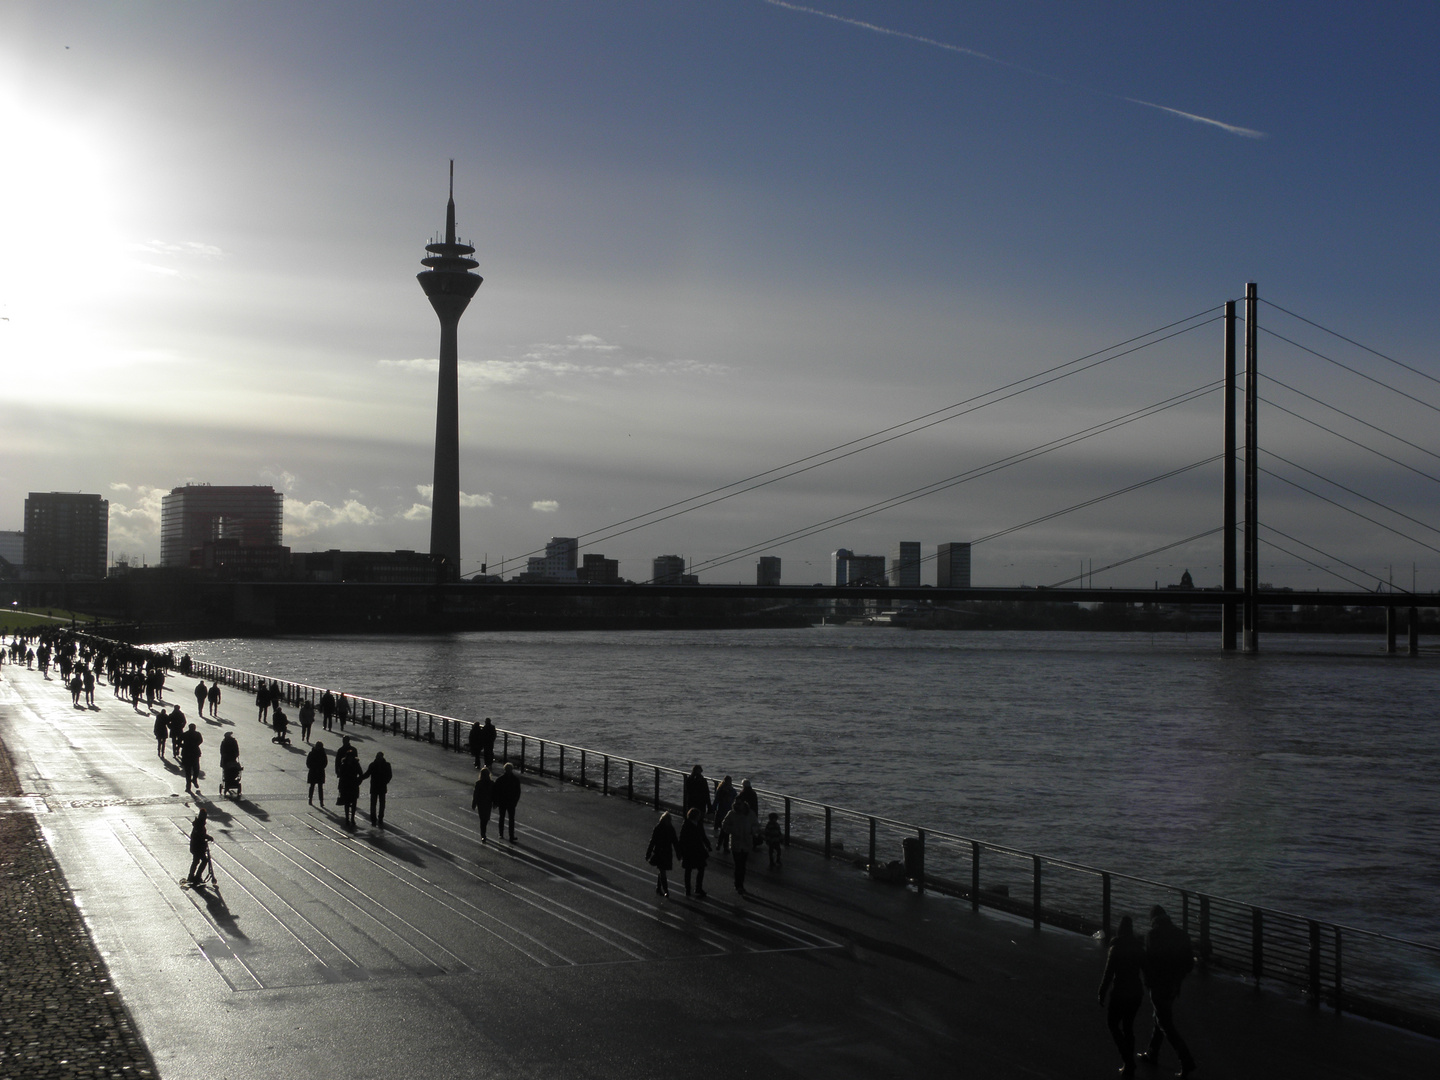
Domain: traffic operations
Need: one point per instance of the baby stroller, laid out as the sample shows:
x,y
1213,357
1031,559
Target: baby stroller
x,y
230,778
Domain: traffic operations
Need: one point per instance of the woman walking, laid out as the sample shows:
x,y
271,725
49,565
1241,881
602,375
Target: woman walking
x,y
347,784
316,761
694,850
482,800
739,829
724,801
661,852
1123,966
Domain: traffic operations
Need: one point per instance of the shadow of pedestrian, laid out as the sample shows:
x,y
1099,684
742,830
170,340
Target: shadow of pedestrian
x,y
252,809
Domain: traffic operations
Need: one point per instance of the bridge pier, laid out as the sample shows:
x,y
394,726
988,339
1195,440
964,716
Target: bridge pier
x,y
1414,628
1391,618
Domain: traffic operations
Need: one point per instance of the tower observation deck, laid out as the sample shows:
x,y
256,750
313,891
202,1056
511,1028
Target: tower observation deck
x,y
449,284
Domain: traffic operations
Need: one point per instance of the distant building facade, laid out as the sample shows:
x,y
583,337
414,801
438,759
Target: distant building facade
x,y
558,563
67,535
852,569
904,569
378,567
197,514
767,570
598,570
12,553
952,566
668,570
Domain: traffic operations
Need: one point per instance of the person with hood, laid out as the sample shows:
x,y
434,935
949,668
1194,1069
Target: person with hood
x,y
697,793
661,852
347,783
482,800
379,774
507,797
315,762
694,850
1124,964
739,829
1169,957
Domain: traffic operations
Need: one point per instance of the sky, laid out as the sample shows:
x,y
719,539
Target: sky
x,y
719,237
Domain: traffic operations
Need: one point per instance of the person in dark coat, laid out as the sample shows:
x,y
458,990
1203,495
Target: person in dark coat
x,y
661,852
724,802
177,730
199,847
487,743
379,774
747,795
1124,964
327,710
347,783
190,757
1169,957
697,793
162,732
347,751
474,742
262,701
694,850
315,762
342,710
482,800
201,692
507,797
214,698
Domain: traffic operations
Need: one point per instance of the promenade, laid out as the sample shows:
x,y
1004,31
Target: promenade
x,y
418,951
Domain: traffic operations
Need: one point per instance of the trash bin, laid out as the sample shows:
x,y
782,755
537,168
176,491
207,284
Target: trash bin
x,y
914,849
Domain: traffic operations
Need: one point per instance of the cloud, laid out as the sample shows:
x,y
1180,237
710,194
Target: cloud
x,y
119,487
476,500
1232,129
135,528
417,512
283,479
545,506
427,491
190,248
307,518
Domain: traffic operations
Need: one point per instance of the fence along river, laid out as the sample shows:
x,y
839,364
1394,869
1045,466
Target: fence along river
x,y
1335,965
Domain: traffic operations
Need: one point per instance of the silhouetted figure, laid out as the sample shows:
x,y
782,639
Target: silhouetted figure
x,y
262,702
346,751
380,774
177,729
347,783
162,732
774,838
199,847
315,762
230,766
694,849
482,800
342,710
507,797
747,795
487,743
201,693
1124,965
1169,957
307,719
739,829
281,723
190,756
327,710
661,852
214,698
697,793
724,802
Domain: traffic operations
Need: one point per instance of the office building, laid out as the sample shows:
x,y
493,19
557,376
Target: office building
x,y
767,570
598,570
904,569
197,514
668,570
12,553
852,569
952,566
66,536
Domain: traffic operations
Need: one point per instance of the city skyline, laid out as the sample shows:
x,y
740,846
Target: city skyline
x,y
716,239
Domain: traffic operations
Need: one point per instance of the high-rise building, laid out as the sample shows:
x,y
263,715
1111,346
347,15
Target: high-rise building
x,y
852,569
767,570
66,536
952,566
668,570
449,284
12,553
197,514
904,569
598,570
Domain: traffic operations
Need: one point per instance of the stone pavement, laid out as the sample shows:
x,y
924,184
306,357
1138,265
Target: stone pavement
x,y
60,1016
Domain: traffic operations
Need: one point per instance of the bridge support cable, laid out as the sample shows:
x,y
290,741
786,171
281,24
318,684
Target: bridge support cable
x,y
1137,558
970,474
1251,616
1357,442
1352,341
1351,566
1352,510
1355,371
1350,491
839,452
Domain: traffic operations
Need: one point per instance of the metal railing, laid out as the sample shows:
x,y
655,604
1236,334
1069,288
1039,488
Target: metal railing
x,y
1348,969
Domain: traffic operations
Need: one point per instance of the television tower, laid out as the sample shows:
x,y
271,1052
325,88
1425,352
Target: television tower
x,y
449,284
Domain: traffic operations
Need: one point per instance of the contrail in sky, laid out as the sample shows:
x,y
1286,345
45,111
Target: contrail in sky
x,y
1233,129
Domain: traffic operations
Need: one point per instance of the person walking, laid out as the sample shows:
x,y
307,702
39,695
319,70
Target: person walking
x,y
190,757
739,829
379,774
307,719
327,710
315,762
661,852
347,783
507,798
262,701
347,751
694,850
342,710
724,802
474,743
214,698
1124,964
747,795
483,799
162,732
487,743
696,793
1169,957
177,730
201,693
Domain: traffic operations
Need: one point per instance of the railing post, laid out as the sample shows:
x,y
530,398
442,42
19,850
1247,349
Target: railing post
x,y
1204,929
582,768
445,733
919,876
787,820
1339,986
630,784
1257,943
560,775
541,769
1105,904
505,749
1314,989
605,777
827,832
523,741
1035,861
974,875
872,848
657,787
1185,911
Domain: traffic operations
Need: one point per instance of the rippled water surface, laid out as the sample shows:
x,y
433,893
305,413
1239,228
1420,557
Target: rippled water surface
x,y
1306,778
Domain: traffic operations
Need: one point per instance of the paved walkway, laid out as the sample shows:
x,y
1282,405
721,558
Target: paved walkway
x,y
418,950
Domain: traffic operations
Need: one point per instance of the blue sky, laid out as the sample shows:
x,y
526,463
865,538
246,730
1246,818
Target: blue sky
x,y
717,237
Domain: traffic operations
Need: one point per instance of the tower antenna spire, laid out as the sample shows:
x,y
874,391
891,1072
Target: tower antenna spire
x,y
450,208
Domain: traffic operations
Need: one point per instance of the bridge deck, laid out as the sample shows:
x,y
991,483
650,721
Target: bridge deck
x,y
331,953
